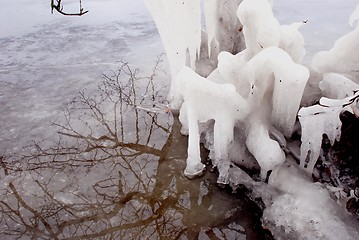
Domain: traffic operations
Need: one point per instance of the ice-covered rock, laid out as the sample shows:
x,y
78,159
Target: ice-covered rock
x,y
304,210
324,118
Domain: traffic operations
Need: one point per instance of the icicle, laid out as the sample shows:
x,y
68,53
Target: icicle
x,y
223,26
266,151
211,16
205,100
288,85
316,121
179,25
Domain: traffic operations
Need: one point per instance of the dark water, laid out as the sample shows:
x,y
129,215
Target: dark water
x,y
115,171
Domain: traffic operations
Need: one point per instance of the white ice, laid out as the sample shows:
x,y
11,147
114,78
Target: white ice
x,y
305,210
315,121
340,58
288,83
205,100
260,27
179,25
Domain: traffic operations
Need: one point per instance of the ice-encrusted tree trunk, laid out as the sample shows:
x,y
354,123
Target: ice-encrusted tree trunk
x,y
186,44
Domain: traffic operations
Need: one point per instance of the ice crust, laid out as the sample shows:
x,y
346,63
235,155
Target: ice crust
x,y
316,121
305,210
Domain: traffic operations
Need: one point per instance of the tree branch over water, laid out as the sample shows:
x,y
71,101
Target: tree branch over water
x,y
56,4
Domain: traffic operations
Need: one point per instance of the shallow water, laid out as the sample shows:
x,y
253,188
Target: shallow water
x,y
115,172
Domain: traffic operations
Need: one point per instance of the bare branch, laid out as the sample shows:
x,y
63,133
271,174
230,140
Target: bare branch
x,y
60,9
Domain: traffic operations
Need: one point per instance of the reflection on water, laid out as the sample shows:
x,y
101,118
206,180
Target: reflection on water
x,y
115,172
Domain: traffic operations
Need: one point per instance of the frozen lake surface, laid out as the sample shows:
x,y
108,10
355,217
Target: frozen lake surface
x,y
85,185
45,59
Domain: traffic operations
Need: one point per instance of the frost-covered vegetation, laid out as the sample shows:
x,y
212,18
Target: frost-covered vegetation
x,y
241,86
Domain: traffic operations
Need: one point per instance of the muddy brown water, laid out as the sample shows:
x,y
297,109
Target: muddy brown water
x,y
115,171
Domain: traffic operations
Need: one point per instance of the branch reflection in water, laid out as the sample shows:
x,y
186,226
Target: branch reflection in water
x,y
115,172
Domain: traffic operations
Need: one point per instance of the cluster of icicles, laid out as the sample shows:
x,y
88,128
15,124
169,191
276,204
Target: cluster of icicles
x,y
241,73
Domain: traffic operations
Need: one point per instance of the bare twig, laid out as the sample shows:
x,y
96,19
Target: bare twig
x,y
60,9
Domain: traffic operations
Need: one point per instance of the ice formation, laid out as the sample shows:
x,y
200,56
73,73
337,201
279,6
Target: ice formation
x,y
205,100
288,83
179,25
340,90
265,150
262,76
223,26
323,118
260,27
337,86
340,59
304,210
257,91
292,41
316,121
